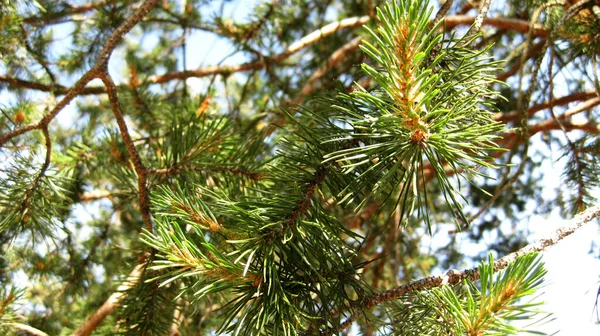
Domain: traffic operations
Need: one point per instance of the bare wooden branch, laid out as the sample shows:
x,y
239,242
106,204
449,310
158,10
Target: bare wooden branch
x,y
589,96
94,195
444,8
138,165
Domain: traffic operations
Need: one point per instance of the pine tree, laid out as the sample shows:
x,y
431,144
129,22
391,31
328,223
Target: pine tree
x,y
295,192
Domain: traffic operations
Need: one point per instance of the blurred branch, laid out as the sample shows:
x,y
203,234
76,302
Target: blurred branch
x,y
521,26
94,320
94,195
516,67
72,10
55,89
335,58
444,8
454,277
28,329
506,117
304,42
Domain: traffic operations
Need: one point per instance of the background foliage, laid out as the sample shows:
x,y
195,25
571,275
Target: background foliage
x,y
291,180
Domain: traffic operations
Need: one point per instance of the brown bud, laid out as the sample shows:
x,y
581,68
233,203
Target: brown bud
x,y
20,116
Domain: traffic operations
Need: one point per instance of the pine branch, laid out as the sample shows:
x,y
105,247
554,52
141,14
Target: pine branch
x,y
36,181
454,277
335,58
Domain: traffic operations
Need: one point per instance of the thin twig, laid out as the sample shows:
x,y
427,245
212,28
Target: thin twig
x,y
478,22
441,13
335,58
589,97
55,89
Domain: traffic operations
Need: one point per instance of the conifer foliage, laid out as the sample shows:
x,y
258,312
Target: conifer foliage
x,y
292,193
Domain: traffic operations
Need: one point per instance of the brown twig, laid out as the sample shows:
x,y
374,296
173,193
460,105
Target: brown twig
x,y
454,277
138,165
309,193
441,13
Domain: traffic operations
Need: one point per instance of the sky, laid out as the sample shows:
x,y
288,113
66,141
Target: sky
x,y
573,275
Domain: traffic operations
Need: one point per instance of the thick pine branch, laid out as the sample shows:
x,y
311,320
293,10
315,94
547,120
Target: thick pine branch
x,y
454,277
